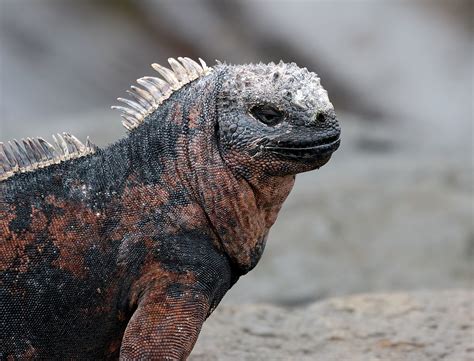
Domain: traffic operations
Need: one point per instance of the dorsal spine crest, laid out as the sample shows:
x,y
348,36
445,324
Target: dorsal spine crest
x,y
156,90
29,154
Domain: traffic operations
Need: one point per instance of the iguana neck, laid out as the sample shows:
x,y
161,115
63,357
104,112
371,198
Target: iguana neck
x,y
242,212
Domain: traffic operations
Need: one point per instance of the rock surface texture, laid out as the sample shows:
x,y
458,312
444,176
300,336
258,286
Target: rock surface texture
x,y
418,326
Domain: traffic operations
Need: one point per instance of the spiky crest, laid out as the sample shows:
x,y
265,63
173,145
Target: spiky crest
x,y
157,90
29,154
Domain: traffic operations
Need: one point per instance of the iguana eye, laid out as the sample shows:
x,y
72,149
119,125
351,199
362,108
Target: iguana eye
x,y
267,114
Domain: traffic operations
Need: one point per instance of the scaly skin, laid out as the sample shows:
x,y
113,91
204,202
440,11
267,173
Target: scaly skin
x,y
124,253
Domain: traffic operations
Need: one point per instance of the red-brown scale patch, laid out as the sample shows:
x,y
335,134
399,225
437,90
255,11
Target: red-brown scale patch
x,y
186,217
74,231
242,209
153,279
12,247
177,114
138,202
194,115
29,354
164,325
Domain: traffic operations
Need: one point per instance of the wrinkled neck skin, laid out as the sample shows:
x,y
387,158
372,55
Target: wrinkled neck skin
x,y
243,220
175,158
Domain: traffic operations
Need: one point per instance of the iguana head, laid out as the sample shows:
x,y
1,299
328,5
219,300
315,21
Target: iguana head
x,y
232,137
275,118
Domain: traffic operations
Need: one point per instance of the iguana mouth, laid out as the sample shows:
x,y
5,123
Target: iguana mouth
x,y
306,149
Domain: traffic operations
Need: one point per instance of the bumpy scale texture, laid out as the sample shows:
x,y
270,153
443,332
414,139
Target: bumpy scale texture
x,y
125,251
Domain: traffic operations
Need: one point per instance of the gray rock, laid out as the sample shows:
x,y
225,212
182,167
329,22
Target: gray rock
x,y
418,326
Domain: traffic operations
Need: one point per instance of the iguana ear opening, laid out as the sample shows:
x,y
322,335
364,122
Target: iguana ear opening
x,y
156,90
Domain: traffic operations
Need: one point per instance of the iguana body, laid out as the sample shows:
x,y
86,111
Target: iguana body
x,y
124,252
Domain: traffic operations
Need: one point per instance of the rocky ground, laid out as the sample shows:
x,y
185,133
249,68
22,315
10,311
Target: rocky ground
x,y
418,326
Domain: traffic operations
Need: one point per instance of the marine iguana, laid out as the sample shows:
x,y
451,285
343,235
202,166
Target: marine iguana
x,y
123,252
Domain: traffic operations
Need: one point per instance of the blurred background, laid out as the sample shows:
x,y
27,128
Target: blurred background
x,y
393,210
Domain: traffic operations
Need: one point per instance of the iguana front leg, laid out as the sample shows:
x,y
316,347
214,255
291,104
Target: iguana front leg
x,y
165,325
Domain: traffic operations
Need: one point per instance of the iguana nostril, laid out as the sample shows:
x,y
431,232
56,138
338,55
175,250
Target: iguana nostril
x,y
321,118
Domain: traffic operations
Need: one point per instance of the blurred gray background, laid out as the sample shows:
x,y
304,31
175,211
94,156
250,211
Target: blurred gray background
x,y
393,210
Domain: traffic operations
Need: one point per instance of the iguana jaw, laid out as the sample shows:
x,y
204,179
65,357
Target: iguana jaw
x,y
321,148
318,151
